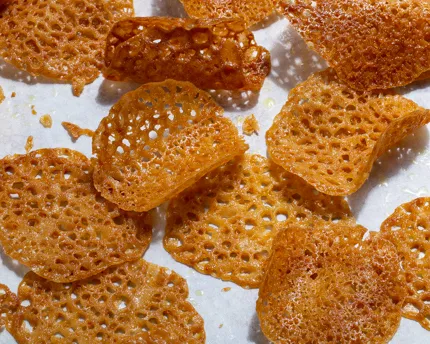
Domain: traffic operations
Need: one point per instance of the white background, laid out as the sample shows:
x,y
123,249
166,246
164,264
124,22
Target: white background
x,y
399,176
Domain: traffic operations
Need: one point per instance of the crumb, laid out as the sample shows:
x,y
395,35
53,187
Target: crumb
x,y
226,289
46,121
2,97
221,325
13,95
29,144
75,131
250,126
33,110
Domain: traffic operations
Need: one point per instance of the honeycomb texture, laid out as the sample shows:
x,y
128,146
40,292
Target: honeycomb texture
x,y
330,135
324,285
372,44
250,11
225,223
157,141
137,302
8,304
409,229
62,39
54,221
212,54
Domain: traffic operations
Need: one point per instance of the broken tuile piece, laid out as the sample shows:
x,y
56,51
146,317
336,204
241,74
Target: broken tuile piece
x,y
29,144
46,121
2,97
212,54
250,125
225,223
75,131
372,44
61,40
408,228
54,221
157,141
8,305
136,302
325,285
330,135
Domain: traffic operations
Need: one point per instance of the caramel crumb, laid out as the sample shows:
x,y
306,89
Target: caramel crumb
x,y
250,125
33,110
226,289
13,95
221,325
29,144
46,121
75,131
2,97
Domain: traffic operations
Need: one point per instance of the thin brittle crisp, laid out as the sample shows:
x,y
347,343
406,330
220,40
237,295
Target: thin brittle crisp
x,y
326,285
62,39
224,224
54,221
157,141
137,302
8,305
212,54
330,135
250,11
409,229
372,44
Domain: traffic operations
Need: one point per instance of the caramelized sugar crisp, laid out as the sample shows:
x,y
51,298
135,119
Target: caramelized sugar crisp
x,y
159,140
54,221
330,135
250,11
212,54
62,39
76,131
408,228
225,223
8,304
324,285
250,125
137,302
372,44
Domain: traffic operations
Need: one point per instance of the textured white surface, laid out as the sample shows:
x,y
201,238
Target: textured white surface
x,y
399,176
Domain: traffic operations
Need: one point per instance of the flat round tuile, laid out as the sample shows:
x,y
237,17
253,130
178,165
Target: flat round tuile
x,y
408,228
224,225
157,141
136,302
8,305
372,44
330,135
54,221
325,285
62,39
250,11
211,54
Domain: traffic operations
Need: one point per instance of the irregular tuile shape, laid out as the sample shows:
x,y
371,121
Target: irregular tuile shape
x,y
212,54
408,228
136,302
326,285
224,225
157,141
372,44
62,39
54,221
330,135
8,305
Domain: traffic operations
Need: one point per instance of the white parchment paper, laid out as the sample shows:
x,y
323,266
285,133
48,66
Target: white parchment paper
x,y
399,176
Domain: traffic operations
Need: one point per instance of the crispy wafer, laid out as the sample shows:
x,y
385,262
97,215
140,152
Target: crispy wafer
x,y
225,223
324,285
137,302
330,135
409,229
54,221
8,304
372,44
212,54
157,141
62,39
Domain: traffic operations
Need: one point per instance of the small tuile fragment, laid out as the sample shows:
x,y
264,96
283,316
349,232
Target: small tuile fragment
x,y
75,131
29,144
62,39
372,44
46,121
250,11
8,305
54,221
13,95
33,110
325,285
225,223
212,54
175,135
136,302
330,135
2,97
220,325
226,289
408,228
250,125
